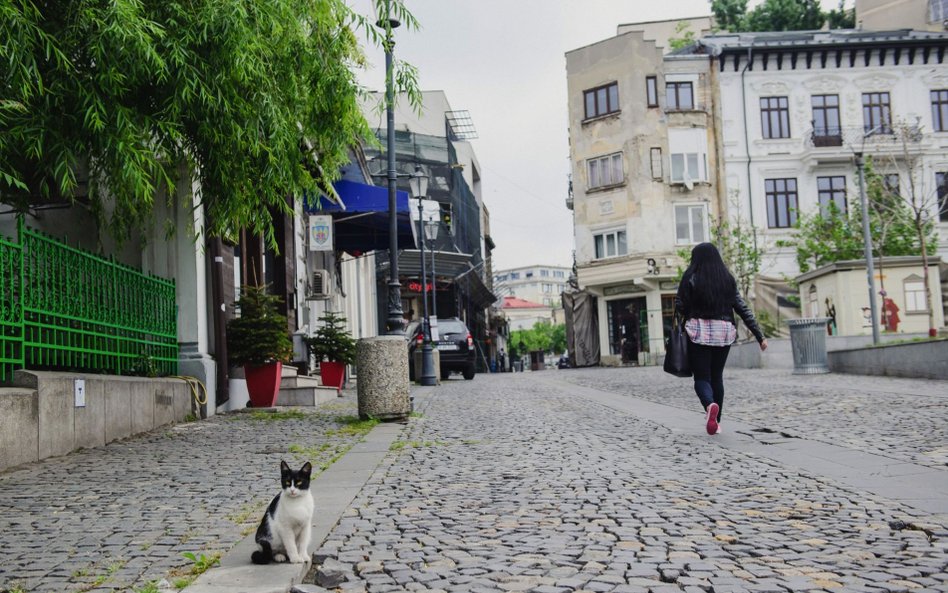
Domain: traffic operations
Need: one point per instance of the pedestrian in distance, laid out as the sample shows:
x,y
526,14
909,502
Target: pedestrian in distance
x,y
707,299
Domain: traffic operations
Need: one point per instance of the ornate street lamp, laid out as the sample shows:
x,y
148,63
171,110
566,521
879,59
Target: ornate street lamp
x,y
396,321
431,234
419,189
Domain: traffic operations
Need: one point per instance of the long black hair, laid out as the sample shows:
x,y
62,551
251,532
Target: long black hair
x,y
714,285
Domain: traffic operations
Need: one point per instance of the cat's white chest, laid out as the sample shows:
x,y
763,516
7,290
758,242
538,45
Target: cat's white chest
x,y
296,510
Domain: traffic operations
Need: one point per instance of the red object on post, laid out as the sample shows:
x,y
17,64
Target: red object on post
x,y
263,383
332,373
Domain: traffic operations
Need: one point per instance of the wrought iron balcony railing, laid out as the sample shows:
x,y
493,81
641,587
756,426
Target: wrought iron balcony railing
x,y
856,137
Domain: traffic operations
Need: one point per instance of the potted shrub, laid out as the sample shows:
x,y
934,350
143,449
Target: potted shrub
x,y
333,347
259,340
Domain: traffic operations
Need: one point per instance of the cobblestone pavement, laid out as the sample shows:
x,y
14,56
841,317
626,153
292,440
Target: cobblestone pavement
x,y
116,517
511,484
899,418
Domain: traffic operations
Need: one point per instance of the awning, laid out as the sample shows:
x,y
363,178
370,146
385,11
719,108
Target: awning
x,y
361,222
447,263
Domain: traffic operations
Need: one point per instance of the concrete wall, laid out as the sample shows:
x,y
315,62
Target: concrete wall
x,y
39,418
918,360
779,355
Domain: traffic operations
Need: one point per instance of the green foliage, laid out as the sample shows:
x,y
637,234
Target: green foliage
x,y
735,241
542,336
767,323
332,341
144,366
779,15
260,335
838,236
684,36
255,99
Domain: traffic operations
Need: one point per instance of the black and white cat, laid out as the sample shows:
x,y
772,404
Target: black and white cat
x,y
285,530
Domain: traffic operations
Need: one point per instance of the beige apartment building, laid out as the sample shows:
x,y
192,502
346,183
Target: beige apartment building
x,y
644,167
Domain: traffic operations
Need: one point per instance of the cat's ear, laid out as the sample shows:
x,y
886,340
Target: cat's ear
x,y
307,468
284,468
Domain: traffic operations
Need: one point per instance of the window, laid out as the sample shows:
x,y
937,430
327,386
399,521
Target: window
x,y
656,155
775,117
651,91
941,184
610,244
559,274
781,197
876,113
691,224
602,100
548,301
528,275
914,287
515,275
832,190
891,184
688,158
605,171
544,273
826,128
940,111
678,96
547,288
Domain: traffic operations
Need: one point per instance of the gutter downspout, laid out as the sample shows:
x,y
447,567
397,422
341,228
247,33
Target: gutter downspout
x,y
750,192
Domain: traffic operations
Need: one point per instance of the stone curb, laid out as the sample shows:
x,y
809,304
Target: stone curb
x,y
333,491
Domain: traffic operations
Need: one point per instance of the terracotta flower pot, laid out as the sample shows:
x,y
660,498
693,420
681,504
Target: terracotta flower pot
x,y
332,373
263,383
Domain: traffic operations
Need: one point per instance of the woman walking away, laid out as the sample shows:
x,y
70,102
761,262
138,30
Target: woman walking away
x,y
707,298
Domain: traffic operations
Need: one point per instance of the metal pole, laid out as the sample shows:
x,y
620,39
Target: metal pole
x,y
867,245
434,284
427,355
396,322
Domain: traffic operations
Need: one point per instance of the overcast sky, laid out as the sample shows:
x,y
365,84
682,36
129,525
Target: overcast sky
x,y
503,60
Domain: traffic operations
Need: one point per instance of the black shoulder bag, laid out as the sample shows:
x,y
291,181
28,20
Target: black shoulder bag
x,y
676,350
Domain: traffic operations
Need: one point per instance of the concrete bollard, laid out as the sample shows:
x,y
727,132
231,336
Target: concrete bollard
x,y
383,389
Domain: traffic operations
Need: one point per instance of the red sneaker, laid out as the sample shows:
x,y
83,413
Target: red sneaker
x,y
711,422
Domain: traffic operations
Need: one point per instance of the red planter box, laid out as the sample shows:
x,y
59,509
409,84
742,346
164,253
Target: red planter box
x,y
263,383
333,373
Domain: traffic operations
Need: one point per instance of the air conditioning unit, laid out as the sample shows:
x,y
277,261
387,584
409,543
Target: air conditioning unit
x,y
319,287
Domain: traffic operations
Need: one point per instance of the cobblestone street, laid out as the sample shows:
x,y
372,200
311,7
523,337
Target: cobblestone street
x,y
513,483
111,518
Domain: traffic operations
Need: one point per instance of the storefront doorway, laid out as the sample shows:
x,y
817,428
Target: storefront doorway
x,y
628,328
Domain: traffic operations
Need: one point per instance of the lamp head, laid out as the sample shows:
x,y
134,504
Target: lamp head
x,y
418,183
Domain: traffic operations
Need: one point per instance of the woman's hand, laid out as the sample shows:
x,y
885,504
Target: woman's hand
x,y
763,345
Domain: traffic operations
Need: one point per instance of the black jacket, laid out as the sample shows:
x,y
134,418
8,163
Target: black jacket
x,y
684,302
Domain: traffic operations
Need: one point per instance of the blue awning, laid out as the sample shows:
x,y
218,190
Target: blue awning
x,y
361,222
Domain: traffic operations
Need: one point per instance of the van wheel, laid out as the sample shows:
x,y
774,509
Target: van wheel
x,y
469,372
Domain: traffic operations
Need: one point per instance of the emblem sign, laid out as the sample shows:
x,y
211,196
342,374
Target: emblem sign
x,y
320,233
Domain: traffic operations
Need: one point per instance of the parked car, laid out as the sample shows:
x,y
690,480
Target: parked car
x,y
455,347
563,362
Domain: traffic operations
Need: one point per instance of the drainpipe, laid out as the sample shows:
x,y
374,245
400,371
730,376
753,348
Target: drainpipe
x,y
219,320
750,192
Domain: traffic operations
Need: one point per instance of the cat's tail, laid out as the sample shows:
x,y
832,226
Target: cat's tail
x,y
263,556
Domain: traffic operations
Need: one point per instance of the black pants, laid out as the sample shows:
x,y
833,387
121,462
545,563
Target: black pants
x,y
707,365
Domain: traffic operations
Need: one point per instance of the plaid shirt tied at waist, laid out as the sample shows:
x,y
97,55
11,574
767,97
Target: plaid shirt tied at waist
x,y
711,332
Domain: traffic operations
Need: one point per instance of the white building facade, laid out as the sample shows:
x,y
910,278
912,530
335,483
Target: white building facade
x,y
539,284
797,107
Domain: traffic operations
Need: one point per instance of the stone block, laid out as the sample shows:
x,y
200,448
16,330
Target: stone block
x,y
90,420
19,418
142,395
118,411
182,399
57,432
383,387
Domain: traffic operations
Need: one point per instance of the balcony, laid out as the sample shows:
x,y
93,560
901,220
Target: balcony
x,y
823,145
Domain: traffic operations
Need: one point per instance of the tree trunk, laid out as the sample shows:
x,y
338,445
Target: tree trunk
x,y
928,291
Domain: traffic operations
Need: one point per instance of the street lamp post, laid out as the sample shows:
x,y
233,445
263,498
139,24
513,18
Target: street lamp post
x,y
396,322
431,234
867,246
419,187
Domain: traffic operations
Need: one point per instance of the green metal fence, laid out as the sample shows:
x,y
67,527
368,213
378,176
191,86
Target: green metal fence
x,y
68,309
